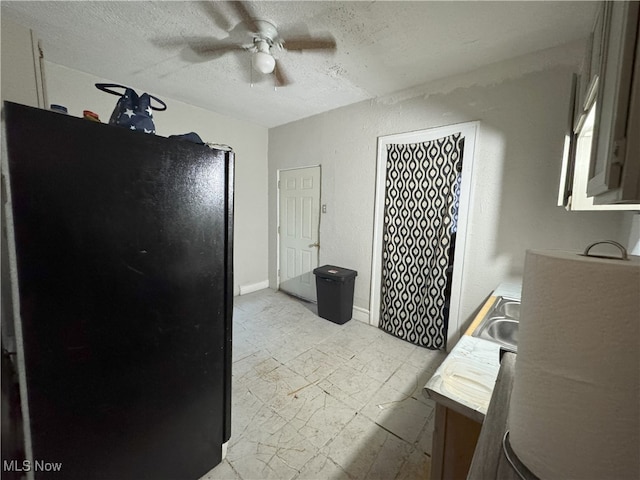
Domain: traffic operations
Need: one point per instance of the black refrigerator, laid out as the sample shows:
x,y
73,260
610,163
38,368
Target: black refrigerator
x,y
123,293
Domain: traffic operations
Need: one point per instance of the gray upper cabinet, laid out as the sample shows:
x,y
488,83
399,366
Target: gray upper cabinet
x,y
601,168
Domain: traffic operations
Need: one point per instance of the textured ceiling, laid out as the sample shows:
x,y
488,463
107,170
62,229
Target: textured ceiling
x,y
382,47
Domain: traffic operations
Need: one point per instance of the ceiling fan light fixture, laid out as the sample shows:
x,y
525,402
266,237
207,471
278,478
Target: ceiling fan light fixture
x,y
263,62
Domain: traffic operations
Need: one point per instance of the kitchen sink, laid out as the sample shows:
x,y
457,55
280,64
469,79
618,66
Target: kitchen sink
x,y
500,324
503,330
510,309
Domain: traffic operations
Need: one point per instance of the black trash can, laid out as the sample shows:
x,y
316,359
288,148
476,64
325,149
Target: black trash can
x,y
334,286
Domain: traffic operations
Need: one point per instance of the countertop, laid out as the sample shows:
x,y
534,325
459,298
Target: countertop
x,y
465,380
511,289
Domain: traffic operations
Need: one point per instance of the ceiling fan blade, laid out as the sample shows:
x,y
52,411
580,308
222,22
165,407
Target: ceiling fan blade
x,y
215,49
198,49
309,43
219,20
243,12
281,78
179,41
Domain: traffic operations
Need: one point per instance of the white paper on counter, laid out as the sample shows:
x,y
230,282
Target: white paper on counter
x,y
468,374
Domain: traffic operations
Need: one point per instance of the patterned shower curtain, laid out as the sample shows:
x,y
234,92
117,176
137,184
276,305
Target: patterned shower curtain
x,y
420,215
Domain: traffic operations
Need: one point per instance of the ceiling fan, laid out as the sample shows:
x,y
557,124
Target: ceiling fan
x,y
262,40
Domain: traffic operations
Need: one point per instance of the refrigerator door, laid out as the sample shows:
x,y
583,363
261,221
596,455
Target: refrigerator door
x,y
124,264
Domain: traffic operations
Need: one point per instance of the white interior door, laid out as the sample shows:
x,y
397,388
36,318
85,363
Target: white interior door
x,y
298,227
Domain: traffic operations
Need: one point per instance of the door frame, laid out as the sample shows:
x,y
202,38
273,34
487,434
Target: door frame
x,y
469,130
278,216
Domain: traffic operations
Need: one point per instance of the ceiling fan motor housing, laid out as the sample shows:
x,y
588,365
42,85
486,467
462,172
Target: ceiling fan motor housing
x,y
266,31
263,40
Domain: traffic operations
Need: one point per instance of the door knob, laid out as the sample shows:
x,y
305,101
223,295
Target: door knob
x,y
314,245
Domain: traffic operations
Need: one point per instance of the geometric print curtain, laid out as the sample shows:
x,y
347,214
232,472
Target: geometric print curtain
x,y
420,216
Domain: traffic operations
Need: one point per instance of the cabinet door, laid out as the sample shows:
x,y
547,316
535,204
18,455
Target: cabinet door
x,y
592,63
613,93
601,164
568,156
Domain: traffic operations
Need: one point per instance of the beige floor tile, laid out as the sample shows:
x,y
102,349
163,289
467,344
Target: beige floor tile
x,y
323,418
224,471
425,442
410,381
390,459
350,386
356,447
394,347
314,364
416,467
286,348
364,450
245,408
375,363
252,365
398,413
321,467
426,359
278,388
291,447
257,453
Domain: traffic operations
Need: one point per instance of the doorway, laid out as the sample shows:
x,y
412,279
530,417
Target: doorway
x,y
422,202
298,230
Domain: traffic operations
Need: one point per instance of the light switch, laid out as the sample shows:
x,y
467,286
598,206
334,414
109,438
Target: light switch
x,y
324,208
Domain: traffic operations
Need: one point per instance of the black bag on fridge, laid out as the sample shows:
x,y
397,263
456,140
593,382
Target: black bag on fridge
x,y
132,111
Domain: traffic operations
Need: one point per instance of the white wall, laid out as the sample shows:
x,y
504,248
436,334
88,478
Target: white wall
x,y
522,107
19,81
77,92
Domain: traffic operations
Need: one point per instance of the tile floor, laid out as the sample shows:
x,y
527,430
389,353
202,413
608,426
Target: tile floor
x,y
317,400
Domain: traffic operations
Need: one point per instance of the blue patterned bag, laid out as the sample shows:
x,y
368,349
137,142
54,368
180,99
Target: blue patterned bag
x,y
132,111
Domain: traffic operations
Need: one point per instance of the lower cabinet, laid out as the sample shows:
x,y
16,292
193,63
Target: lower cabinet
x,y
454,440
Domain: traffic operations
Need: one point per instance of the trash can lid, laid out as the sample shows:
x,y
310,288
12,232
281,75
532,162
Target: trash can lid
x,y
338,273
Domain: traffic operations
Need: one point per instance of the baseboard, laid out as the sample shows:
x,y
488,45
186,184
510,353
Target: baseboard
x,y
225,447
361,314
254,287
